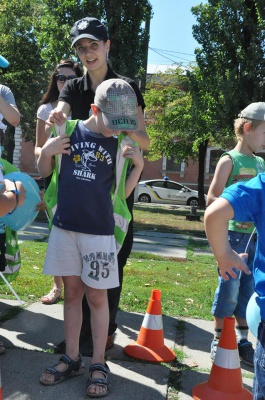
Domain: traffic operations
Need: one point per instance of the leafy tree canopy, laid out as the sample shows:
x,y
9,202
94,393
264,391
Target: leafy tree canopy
x,y
35,35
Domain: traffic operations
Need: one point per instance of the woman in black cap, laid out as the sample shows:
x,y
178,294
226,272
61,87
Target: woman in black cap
x,y
90,39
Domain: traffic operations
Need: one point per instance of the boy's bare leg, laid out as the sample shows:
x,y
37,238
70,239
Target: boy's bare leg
x,y
98,303
73,295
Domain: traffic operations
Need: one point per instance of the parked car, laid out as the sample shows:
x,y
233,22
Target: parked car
x,y
166,191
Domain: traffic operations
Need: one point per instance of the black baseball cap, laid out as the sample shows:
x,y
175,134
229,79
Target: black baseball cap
x,y
90,28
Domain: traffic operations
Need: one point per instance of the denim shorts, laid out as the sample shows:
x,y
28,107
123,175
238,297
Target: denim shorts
x,y
259,365
231,297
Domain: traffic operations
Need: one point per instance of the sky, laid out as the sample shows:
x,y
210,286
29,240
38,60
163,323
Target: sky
x,y
171,37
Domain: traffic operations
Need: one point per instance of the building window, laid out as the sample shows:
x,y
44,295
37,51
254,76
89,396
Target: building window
x,y
173,166
214,158
170,165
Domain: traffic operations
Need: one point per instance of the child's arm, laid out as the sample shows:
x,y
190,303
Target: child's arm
x,y
8,199
140,136
133,152
216,219
53,146
221,175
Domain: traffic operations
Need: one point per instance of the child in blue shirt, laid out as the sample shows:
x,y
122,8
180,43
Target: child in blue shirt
x,y
245,202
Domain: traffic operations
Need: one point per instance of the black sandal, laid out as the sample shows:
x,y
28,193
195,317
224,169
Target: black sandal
x,y
105,382
73,368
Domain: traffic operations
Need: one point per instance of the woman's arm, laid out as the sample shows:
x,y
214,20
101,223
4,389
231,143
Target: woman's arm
x,y
57,116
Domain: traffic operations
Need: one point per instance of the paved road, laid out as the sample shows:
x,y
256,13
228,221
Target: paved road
x,y
31,334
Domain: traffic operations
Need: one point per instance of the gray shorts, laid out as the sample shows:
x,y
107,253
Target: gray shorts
x,y
92,257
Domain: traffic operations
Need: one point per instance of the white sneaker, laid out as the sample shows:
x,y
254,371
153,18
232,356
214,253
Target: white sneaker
x,y
214,346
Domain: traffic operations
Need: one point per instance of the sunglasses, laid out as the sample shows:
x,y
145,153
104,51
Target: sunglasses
x,y
63,78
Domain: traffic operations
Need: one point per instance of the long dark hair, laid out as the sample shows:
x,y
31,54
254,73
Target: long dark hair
x,y
52,92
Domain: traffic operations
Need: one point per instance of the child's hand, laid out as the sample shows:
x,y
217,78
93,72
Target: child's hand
x,y
231,260
41,206
133,152
57,145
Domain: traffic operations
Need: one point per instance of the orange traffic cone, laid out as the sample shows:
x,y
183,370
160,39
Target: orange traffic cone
x,y
150,343
225,382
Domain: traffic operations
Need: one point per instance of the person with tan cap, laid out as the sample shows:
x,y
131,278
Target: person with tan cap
x,y
82,247
240,164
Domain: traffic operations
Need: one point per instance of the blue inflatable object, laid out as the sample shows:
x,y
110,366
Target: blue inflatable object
x,y
25,214
3,62
253,315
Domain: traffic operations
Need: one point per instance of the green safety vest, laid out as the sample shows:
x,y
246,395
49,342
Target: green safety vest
x,y
122,215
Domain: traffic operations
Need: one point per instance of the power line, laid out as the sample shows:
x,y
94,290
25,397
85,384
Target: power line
x,y
160,53
171,51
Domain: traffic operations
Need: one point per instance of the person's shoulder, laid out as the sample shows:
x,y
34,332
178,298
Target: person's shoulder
x,y
46,107
4,89
113,74
44,111
76,83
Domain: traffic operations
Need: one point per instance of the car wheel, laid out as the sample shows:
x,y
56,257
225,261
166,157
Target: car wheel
x,y
144,198
193,202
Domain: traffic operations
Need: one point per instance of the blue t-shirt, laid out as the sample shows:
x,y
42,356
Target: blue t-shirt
x,y
84,184
248,202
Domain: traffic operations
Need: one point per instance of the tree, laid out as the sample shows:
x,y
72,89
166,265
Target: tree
x,y
229,76
124,19
38,35
178,124
231,57
24,76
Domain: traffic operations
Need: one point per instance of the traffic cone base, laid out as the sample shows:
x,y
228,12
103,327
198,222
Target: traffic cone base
x,y
204,392
164,354
150,343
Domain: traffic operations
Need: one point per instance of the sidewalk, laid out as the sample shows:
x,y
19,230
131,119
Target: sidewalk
x,y
29,336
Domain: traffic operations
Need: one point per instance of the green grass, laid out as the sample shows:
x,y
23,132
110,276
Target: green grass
x,y
149,217
187,286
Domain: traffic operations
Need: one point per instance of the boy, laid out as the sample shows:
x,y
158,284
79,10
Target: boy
x,y
82,246
240,164
242,201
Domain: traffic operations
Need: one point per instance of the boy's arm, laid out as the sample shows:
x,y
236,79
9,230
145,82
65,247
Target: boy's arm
x,y
216,219
133,152
140,136
53,146
221,175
